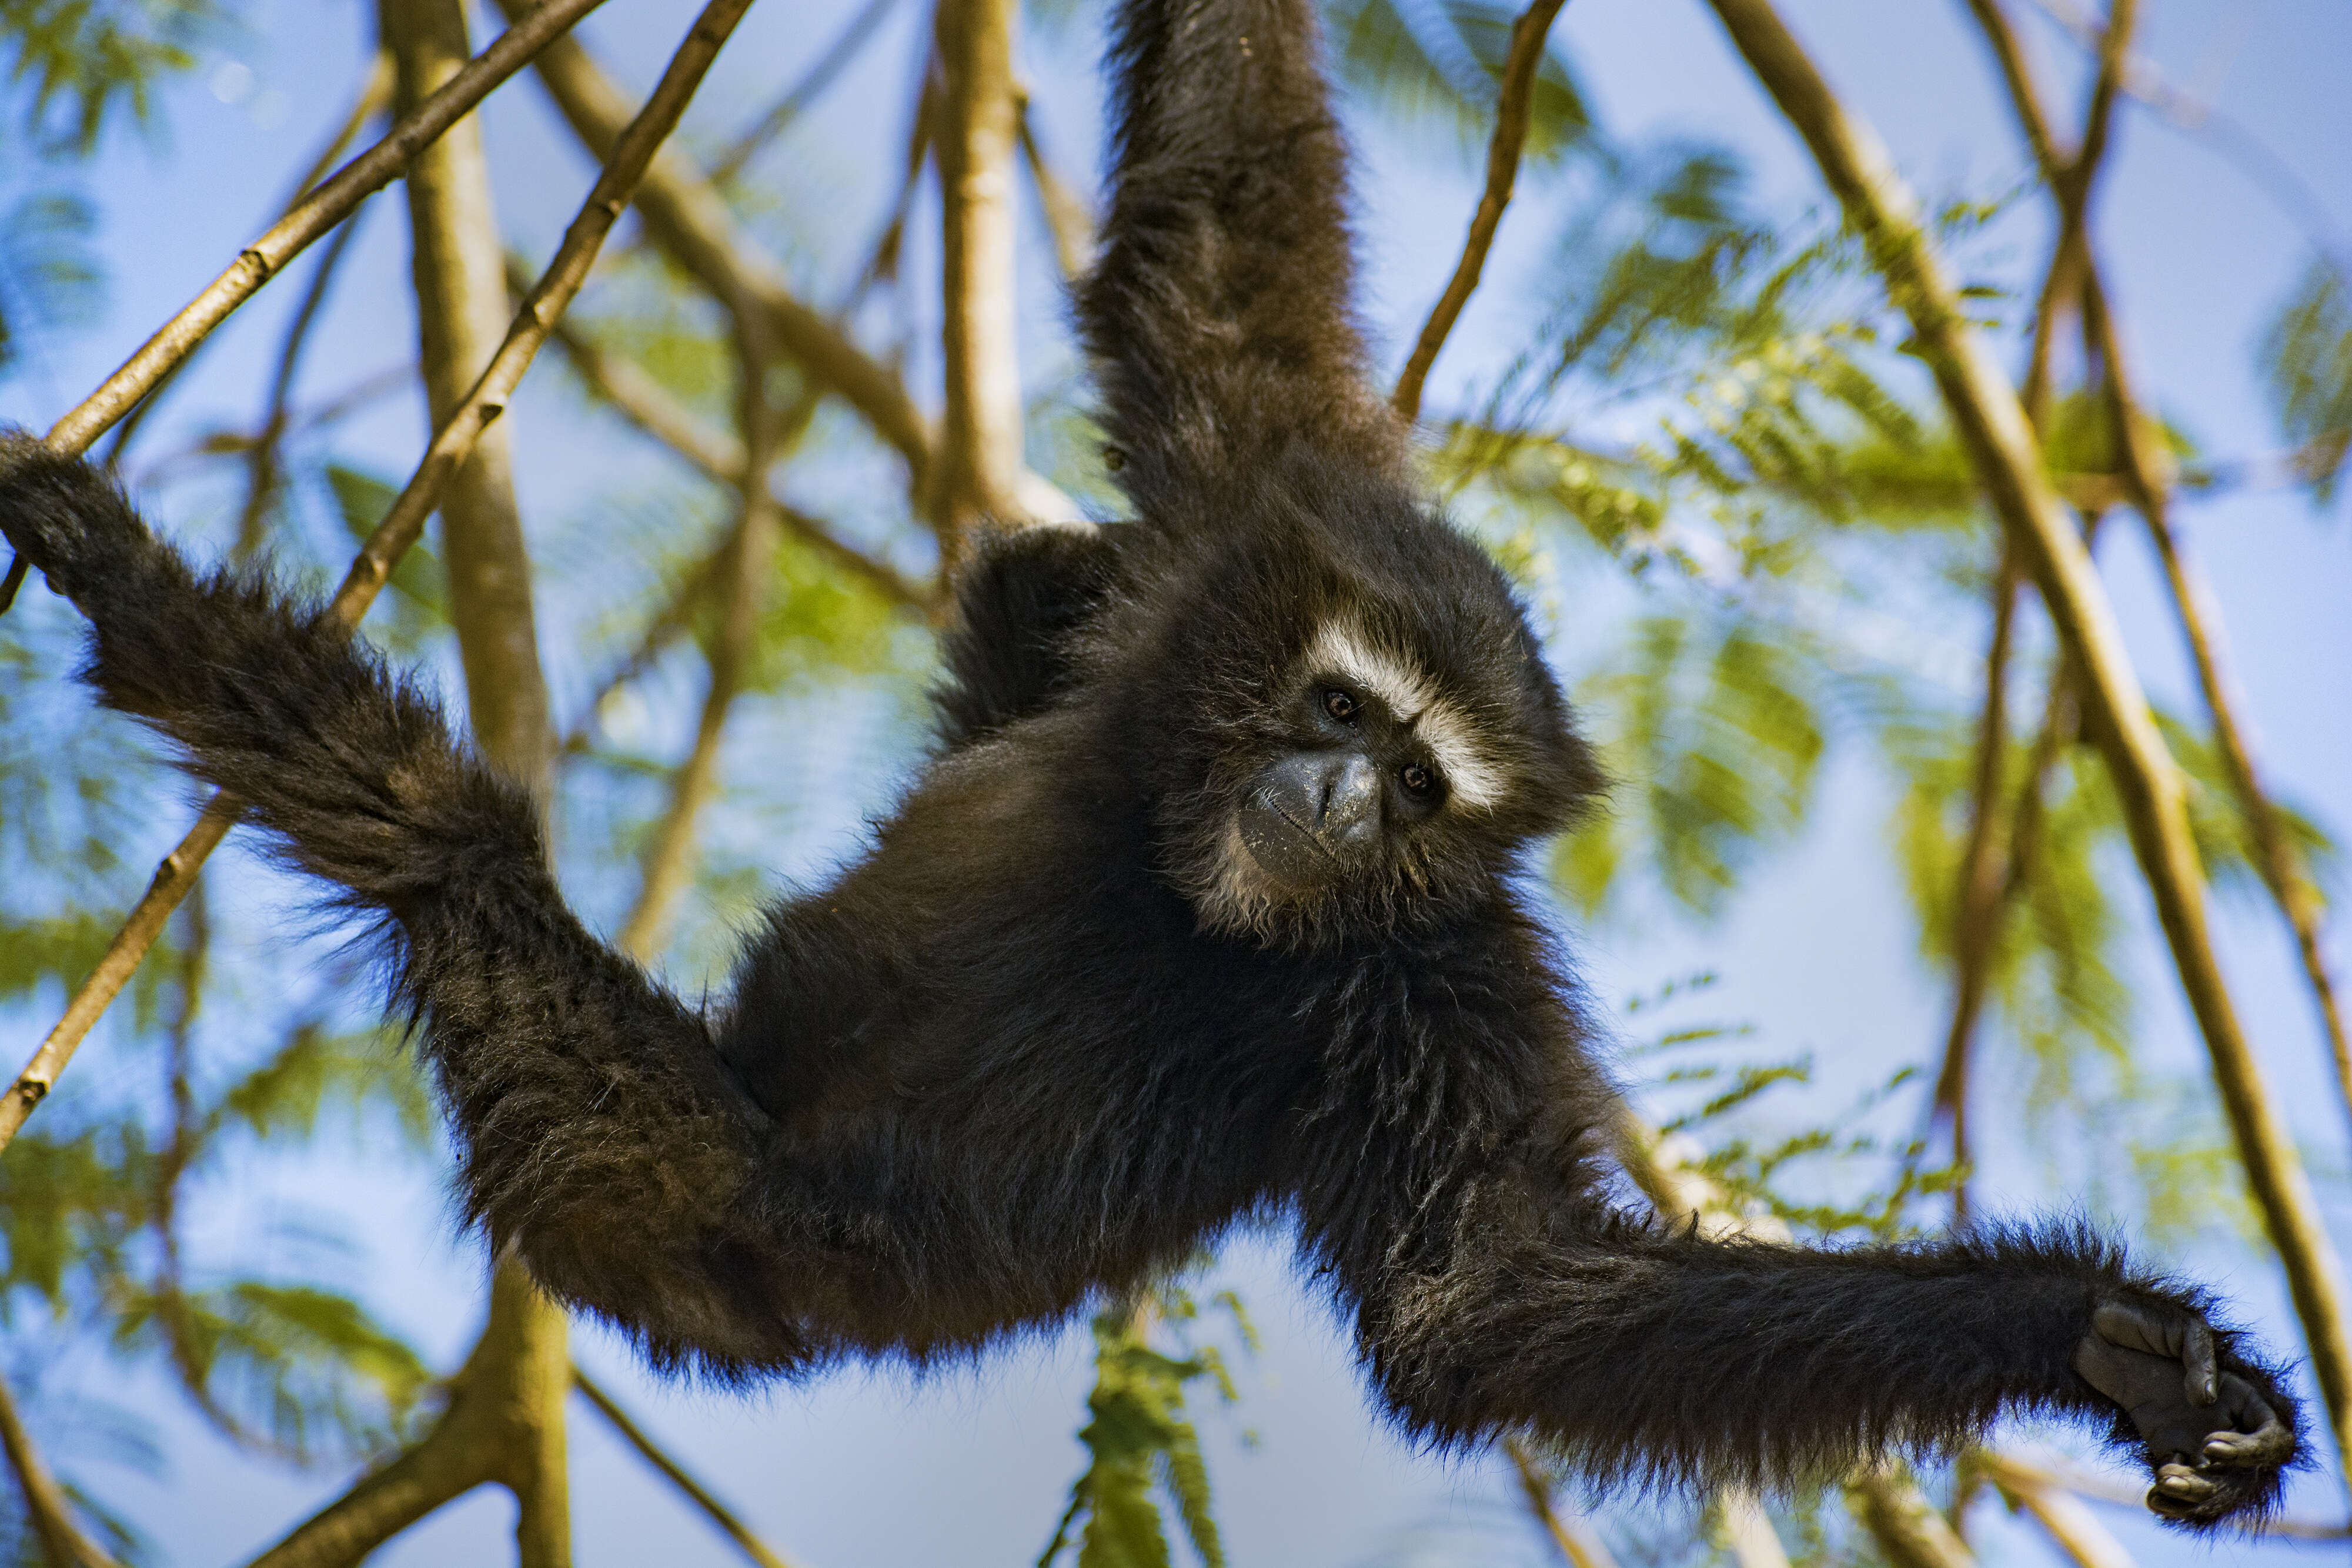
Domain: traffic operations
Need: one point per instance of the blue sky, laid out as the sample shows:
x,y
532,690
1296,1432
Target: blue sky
x,y
871,1468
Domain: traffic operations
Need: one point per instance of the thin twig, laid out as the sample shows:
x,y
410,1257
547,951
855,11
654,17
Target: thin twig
x,y
750,564
1985,410
373,567
316,214
689,222
2276,857
46,1508
1578,1545
648,404
1982,866
2117,1492
802,93
374,94
263,470
757,1550
1511,111
1071,224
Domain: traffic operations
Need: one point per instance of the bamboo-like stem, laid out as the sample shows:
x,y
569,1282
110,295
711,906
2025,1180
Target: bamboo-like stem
x,y
687,221
2078,1534
1579,1546
748,569
373,567
523,1365
679,1476
1510,136
1985,410
976,150
2148,473
46,1509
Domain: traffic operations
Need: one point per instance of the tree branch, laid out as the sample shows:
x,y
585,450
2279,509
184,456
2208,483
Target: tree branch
x,y
2147,477
46,1509
648,404
1527,35
1985,410
1983,872
725,1517
1909,1530
459,277
2078,1534
1579,1546
374,95
504,1423
802,93
978,140
373,567
689,222
750,566
1067,215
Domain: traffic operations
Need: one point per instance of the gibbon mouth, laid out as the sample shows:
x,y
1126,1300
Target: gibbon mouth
x,y
1311,816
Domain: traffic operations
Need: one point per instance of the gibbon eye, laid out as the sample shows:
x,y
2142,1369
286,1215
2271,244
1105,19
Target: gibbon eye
x,y
1340,705
1416,778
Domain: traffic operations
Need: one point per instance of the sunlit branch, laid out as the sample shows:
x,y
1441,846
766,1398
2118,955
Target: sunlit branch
x,y
1511,111
976,150
1984,409
1909,1530
2148,481
2277,858
373,567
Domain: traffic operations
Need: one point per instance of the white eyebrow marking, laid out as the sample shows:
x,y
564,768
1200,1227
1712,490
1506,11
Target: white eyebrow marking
x,y
1341,648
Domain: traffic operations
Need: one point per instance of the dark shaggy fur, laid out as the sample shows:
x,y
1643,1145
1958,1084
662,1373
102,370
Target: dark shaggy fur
x,y
1054,1033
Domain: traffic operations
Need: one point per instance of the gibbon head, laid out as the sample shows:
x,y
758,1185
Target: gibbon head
x,y
1368,733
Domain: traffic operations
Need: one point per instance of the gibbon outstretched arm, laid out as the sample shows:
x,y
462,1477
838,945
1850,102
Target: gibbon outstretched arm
x,y
596,1129
1647,1352
1219,318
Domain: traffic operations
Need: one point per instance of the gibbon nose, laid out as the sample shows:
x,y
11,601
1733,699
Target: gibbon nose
x,y
1312,812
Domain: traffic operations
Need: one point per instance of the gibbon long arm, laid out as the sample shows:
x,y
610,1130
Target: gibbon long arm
x,y
1205,911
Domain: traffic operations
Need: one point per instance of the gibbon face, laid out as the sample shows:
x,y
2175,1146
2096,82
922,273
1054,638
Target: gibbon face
x,y
1375,737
